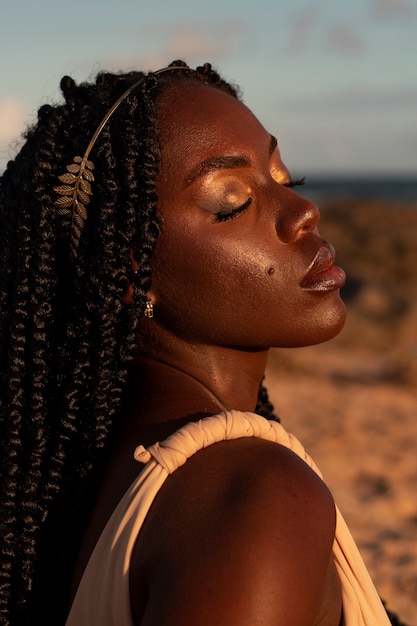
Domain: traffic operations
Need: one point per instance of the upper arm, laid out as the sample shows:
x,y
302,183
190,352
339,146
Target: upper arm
x,y
244,536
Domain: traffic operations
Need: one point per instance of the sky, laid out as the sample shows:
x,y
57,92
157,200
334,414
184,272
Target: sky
x,y
336,82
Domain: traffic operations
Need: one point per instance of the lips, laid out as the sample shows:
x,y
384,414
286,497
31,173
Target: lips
x,y
323,274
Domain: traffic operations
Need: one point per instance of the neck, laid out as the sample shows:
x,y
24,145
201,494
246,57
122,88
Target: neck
x,y
196,381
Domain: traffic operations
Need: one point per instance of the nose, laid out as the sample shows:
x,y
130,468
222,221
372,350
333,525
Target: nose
x,y
296,216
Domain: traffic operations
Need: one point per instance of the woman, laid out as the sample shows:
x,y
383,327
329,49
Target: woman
x,y
152,253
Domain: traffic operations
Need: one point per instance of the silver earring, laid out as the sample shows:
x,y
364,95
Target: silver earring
x,y
148,312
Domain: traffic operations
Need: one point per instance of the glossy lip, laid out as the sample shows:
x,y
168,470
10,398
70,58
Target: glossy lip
x,y
323,274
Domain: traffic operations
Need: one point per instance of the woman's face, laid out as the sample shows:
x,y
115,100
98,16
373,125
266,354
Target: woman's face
x,y
240,262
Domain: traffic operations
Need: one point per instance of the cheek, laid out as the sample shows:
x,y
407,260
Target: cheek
x,y
220,281
235,293
218,267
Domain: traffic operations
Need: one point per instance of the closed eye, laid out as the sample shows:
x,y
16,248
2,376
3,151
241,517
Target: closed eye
x,y
226,216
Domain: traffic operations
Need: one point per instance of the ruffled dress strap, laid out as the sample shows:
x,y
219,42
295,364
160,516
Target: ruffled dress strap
x,y
103,597
194,436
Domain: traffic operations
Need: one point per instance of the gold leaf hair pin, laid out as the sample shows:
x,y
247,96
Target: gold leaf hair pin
x,y
74,194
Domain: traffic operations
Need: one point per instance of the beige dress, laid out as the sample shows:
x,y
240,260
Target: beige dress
x,y
103,597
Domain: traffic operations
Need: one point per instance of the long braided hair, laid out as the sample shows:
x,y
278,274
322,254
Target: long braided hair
x,y
67,338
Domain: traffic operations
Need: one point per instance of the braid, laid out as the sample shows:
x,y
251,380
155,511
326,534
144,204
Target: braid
x,y
264,407
67,338
25,375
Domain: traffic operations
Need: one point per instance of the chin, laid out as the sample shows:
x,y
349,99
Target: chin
x,y
321,328
331,324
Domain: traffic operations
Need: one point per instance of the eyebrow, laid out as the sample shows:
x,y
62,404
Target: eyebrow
x,y
223,162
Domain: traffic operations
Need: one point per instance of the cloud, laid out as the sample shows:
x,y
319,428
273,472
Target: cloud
x,y
301,29
342,38
311,31
394,8
195,42
216,40
13,115
357,100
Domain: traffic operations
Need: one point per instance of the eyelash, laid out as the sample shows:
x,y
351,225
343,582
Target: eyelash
x,y
230,215
295,183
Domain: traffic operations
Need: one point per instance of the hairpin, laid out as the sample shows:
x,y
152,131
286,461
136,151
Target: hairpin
x,y
74,194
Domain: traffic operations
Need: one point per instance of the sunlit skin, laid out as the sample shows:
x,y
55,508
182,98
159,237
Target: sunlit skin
x,y
224,292
242,533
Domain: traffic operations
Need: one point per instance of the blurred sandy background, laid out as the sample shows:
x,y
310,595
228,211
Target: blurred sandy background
x,y
353,401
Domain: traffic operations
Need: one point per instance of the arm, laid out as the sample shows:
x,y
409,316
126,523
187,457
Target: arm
x,y
241,535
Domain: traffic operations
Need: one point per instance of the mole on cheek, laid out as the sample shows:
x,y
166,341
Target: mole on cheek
x,y
271,271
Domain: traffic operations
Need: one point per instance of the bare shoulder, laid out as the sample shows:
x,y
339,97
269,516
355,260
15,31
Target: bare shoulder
x,y
241,534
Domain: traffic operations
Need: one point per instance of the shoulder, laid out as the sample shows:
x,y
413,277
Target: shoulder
x,y
247,519
249,480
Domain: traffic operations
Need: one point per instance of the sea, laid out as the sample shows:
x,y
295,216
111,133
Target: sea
x,y
398,190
